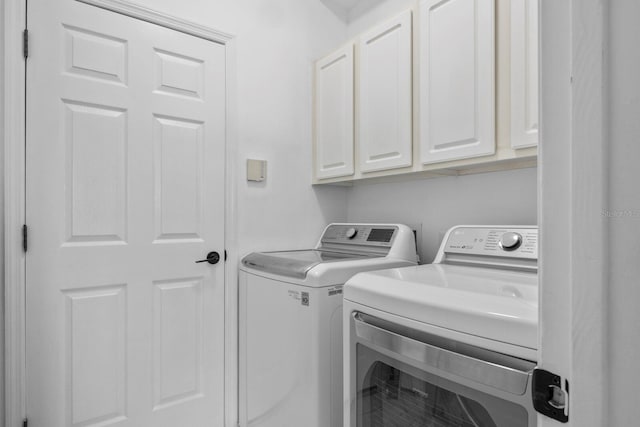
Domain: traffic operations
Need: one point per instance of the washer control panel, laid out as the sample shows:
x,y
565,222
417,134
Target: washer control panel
x,y
496,242
354,234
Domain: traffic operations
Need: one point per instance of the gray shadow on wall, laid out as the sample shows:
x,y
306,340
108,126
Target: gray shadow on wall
x,y
349,10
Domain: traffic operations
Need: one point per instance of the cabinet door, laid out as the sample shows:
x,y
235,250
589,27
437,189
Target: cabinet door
x,y
457,79
524,73
384,102
334,115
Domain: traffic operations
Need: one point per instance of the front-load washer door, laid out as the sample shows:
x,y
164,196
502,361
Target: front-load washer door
x,y
394,389
391,394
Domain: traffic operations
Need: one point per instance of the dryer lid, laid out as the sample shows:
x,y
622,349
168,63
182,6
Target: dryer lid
x,y
500,305
296,263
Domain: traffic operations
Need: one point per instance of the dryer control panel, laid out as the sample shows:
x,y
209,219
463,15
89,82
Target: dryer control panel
x,y
490,245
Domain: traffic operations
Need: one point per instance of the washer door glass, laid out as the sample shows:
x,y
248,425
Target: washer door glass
x,y
393,394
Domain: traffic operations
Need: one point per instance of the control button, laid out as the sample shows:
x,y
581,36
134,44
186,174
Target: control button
x,y
351,233
510,241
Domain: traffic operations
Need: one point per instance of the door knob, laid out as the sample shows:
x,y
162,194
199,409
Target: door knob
x,y
212,258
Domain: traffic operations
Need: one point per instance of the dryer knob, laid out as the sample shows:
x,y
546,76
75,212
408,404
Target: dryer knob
x,y
510,241
351,233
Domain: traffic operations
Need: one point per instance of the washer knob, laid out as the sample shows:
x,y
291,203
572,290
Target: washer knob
x,y
510,241
351,233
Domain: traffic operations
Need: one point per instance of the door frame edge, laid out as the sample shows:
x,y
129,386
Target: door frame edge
x,y
14,133
15,13
573,178
231,301
133,10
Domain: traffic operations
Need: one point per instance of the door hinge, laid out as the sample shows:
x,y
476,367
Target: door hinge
x,y
550,395
25,236
25,43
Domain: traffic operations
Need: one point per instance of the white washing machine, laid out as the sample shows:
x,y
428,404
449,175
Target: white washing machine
x,y
452,343
291,322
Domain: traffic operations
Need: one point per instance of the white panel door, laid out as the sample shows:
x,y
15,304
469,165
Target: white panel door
x,y
524,73
385,101
334,114
457,79
125,190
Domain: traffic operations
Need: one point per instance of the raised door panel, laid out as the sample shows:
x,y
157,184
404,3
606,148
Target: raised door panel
x,y
457,79
177,341
524,73
385,96
178,154
95,56
96,170
334,115
95,347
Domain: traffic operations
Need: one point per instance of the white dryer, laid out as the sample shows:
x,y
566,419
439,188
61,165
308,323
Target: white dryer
x,y
291,322
453,343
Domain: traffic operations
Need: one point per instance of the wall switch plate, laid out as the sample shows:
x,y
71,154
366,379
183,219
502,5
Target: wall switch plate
x,y
256,170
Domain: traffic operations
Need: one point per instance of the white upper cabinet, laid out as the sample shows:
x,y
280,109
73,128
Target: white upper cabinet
x,y
448,86
334,115
524,73
457,79
385,96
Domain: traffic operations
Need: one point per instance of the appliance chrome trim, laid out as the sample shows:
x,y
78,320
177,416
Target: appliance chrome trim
x,y
497,376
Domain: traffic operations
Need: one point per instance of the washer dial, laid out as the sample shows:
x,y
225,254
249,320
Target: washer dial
x,y
351,233
510,241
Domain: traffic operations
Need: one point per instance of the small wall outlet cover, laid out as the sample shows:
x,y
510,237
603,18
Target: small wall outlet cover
x,y
256,170
417,234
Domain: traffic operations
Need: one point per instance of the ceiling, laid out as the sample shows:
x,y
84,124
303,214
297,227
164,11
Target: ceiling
x,y
348,10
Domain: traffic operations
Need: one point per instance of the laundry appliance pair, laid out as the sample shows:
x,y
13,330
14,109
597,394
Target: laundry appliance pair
x,y
451,343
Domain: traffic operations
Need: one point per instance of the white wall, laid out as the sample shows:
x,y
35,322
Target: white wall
x,y
276,44
624,206
434,205
2,215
